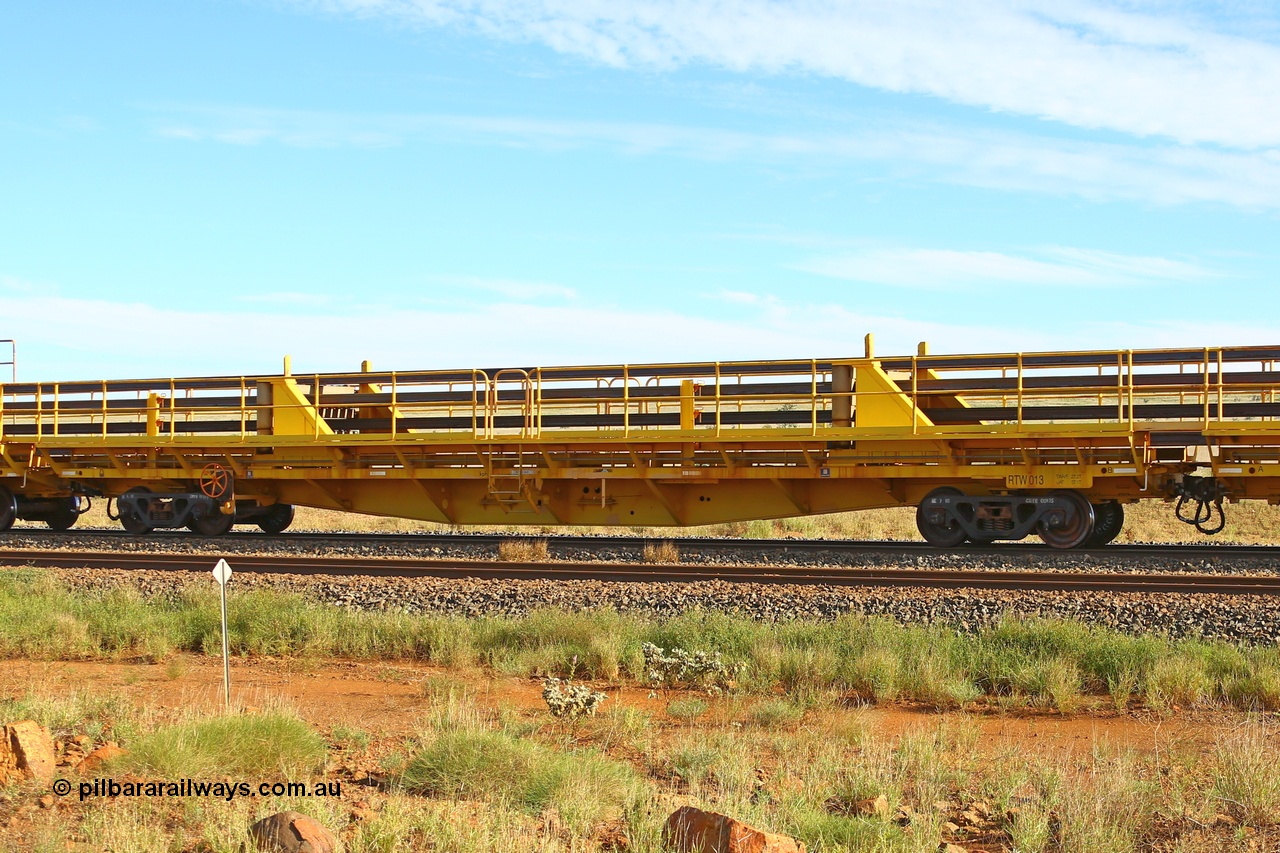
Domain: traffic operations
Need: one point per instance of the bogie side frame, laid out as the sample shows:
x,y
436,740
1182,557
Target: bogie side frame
x,y
1061,434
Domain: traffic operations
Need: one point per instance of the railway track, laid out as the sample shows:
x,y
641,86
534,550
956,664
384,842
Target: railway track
x,y
685,543
660,573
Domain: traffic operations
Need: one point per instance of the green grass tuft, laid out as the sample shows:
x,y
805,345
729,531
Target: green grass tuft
x,y
496,767
245,746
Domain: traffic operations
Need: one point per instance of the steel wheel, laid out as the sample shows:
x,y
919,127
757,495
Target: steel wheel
x,y
276,518
213,525
65,517
939,535
1075,529
130,522
1108,518
8,509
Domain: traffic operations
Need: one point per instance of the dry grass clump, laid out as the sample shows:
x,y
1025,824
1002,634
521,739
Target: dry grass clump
x,y
687,709
661,552
774,713
1245,778
523,551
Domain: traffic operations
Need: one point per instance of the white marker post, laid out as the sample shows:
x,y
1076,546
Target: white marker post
x,y
222,574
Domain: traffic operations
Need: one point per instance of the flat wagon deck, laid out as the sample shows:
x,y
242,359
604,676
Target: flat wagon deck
x,y
987,446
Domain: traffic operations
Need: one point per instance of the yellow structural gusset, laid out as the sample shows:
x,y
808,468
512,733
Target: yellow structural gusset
x,y
283,409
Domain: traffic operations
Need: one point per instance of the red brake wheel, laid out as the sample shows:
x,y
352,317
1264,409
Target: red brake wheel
x,y
215,481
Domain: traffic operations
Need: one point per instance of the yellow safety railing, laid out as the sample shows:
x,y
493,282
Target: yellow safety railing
x,y
1126,389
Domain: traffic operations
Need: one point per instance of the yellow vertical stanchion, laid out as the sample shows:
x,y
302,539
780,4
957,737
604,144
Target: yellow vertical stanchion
x,y
626,402
1129,371
1204,384
153,415
1020,390
1121,388
915,394
687,411
687,415
813,396
719,379
1221,386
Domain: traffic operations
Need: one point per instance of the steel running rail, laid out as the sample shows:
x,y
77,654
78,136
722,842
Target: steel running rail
x,y
89,537
655,573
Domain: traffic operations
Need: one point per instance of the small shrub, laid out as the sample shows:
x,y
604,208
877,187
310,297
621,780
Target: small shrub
x,y
570,701
688,669
686,710
523,551
661,552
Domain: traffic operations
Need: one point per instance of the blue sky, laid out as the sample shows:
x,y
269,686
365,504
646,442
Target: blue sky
x,y
204,186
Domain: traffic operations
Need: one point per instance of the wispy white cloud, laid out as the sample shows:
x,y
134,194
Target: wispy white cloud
x,y
287,299
1147,69
512,289
739,297
949,269
17,285
1005,160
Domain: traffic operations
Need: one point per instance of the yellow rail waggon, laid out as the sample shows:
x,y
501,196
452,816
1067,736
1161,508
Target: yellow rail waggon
x,y
987,446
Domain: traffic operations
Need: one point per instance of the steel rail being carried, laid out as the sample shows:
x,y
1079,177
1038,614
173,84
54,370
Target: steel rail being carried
x,y
990,446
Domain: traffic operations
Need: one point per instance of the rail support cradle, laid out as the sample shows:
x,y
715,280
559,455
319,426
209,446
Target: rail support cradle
x,y
987,447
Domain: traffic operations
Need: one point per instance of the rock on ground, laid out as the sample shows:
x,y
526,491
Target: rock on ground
x,y
99,756
691,830
26,752
291,832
